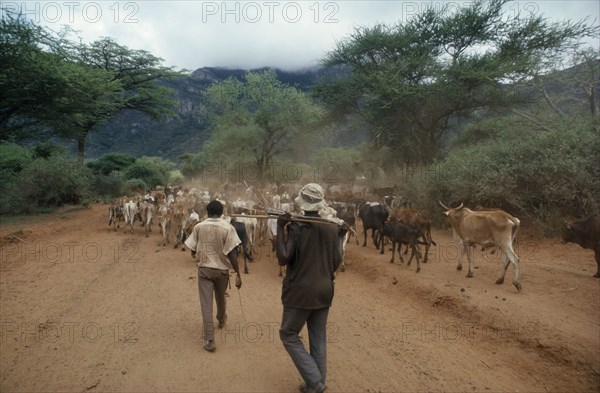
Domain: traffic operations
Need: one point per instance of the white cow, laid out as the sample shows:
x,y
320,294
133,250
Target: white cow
x,y
329,213
147,211
130,210
164,222
272,233
251,230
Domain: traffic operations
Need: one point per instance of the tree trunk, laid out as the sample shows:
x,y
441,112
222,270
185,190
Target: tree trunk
x,y
80,148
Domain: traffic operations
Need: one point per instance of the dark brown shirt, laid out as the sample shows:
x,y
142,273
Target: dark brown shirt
x,y
312,254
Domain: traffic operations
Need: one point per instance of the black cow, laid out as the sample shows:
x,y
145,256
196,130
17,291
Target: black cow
x,y
346,212
373,216
240,229
586,233
400,234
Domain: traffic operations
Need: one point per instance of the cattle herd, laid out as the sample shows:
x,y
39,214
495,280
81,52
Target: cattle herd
x,y
391,219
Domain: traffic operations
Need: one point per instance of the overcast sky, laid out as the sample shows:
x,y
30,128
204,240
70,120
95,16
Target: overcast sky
x,y
250,34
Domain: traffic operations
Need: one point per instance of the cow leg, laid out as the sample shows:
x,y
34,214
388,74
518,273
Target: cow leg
x,y
417,256
412,254
500,279
470,256
365,234
427,240
393,251
462,252
597,255
510,256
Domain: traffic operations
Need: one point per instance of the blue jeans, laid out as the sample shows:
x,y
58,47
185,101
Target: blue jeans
x,y
312,366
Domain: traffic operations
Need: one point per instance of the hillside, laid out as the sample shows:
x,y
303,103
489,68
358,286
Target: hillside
x,y
139,134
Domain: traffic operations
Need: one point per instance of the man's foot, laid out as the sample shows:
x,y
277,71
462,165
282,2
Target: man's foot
x,y
318,388
210,346
223,322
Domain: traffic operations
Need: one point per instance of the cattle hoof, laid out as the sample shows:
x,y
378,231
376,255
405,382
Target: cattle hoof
x,y
500,281
418,269
182,248
459,267
517,285
391,261
470,274
343,269
280,275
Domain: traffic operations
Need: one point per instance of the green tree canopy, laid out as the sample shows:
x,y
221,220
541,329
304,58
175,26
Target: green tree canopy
x,y
256,122
412,82
41,91
110,162
53,85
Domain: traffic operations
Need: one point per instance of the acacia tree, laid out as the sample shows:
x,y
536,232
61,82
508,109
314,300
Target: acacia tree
x,y
412,82
257,121
53,85
41,91
135,71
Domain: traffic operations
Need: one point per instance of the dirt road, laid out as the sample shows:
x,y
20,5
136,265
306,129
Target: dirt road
x,y
85,309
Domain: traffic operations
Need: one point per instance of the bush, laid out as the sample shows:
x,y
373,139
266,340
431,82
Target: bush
x,y
13,158
54,182
153,171
134,186
111,162
109,186
541,175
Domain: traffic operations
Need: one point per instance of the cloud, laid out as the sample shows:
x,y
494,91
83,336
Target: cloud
x,y
248,34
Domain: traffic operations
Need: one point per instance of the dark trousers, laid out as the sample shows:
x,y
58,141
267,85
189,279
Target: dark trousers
x,y
212,281
312,366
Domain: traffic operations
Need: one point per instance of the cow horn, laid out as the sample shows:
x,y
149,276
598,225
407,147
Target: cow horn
x,y
444,206
461,205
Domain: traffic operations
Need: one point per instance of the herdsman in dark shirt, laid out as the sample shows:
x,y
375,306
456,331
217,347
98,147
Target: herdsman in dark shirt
x,y
312,253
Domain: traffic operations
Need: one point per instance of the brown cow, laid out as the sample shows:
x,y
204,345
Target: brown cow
x,y
486,228
179,219
585,233
419,220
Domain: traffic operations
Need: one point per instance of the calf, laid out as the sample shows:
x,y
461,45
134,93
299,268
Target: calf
x,y
585,233
399,233
419,220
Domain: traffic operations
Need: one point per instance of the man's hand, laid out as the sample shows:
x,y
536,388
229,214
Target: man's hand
x,y
238,281
283,219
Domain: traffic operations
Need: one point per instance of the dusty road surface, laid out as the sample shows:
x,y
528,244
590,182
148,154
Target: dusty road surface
x,y
85,309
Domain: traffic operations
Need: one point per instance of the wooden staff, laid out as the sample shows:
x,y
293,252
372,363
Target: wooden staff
x,y
291,218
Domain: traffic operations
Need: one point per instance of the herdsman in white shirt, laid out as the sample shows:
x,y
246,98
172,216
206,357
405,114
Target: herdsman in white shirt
x,y
213,243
